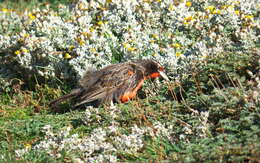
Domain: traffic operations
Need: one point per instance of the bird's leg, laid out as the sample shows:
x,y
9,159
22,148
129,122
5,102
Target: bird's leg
x,y
112,106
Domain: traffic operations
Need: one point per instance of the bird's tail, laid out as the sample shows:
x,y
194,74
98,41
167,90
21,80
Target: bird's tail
x,y
72,94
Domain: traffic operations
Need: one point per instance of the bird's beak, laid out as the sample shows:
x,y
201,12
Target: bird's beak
x,y
164,76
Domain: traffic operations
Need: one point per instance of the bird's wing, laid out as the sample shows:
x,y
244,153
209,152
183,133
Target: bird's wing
x,y
92,76
111,83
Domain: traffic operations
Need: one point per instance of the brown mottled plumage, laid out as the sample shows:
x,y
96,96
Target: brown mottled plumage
x,y
117,82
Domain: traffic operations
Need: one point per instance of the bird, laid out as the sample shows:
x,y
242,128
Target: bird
x,y
114,83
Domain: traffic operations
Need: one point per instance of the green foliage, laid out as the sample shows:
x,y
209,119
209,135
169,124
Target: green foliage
x,y
221,86
22,5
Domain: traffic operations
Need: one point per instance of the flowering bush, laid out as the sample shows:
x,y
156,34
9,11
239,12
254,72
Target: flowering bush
x,y
65,43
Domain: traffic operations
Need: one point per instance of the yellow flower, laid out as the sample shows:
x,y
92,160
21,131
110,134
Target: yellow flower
x,y
155,36
31,16
91,29
236,2
227,6
147,1
86,34
224,6
17,52
249,16
129,47
237,12
216,11
125,45
100,23
210,8
176,45
188,4
109,1
93,50
178,54
5,10
24,50
158,0
103,8
171,8
83,7
189,18
71,48
27,146
67,56
152,41
26,35
206,17
81,42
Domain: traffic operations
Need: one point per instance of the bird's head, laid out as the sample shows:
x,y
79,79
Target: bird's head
x,y
153,69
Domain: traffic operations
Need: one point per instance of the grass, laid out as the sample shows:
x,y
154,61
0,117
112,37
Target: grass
x,y
219,85
22,5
